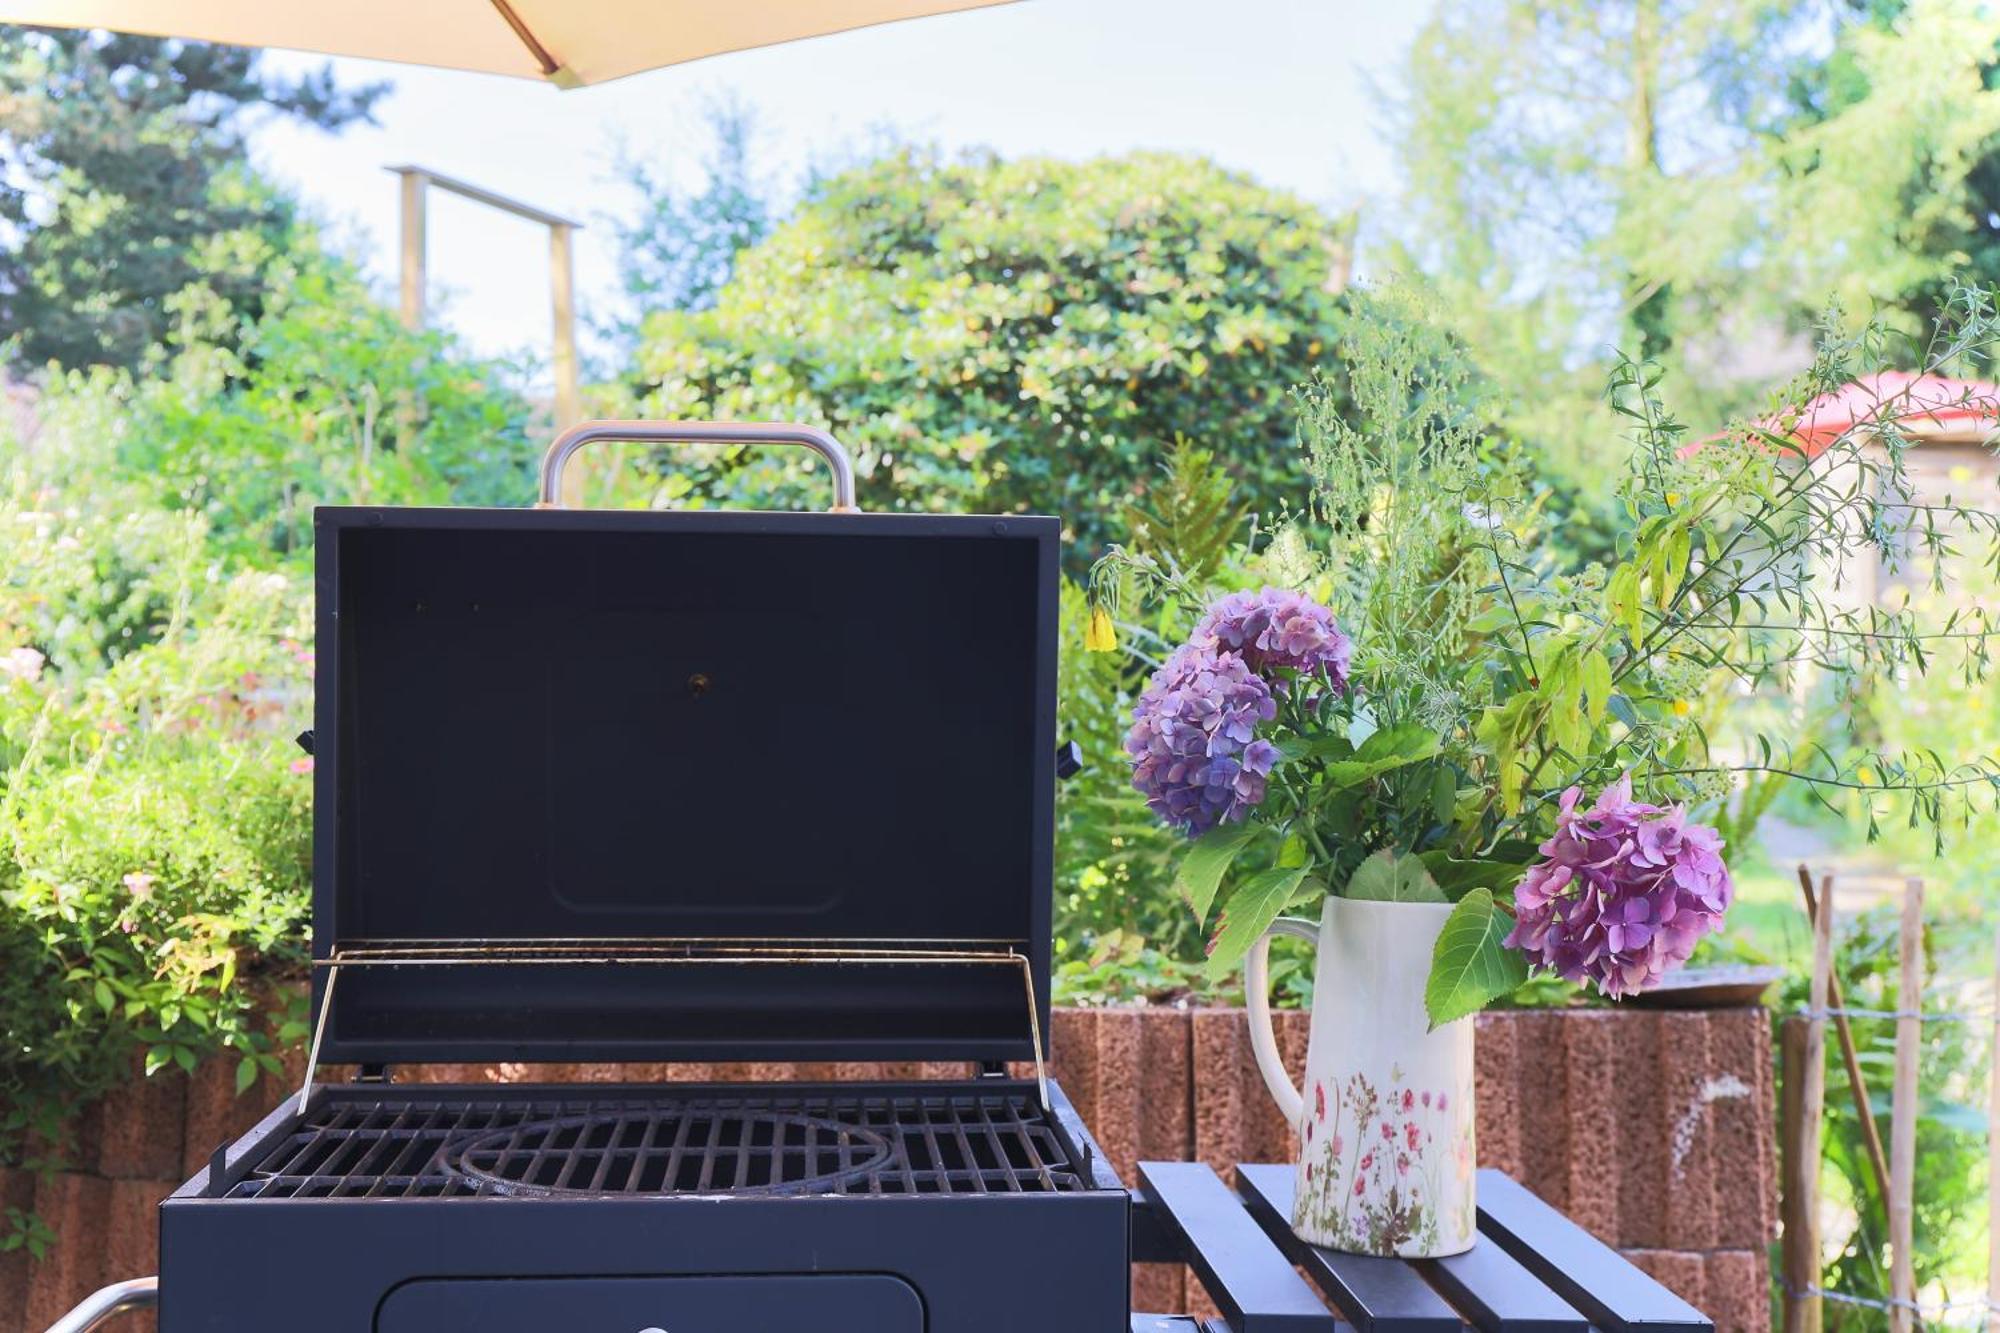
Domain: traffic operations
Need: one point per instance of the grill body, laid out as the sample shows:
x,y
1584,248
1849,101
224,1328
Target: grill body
x,y
905,1208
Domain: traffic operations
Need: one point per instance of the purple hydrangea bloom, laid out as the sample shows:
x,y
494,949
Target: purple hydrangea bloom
x,y
1626,892
1194,748
1276,627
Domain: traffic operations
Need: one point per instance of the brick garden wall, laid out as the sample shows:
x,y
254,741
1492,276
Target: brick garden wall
x,y
1652,1128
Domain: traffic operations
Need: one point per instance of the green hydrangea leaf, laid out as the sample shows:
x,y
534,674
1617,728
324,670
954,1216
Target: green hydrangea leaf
x,y
1252,908
1383,751
1470,967
1394,877
1201,870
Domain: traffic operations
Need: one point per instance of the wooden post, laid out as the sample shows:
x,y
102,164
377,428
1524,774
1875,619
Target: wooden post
x,y
413,247
1903,1113
1993,1163
1800,1236
1806,1064
562,286
1857,1084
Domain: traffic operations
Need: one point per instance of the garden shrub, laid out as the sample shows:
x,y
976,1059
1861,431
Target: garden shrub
x,y
156,661
154,823
324,398
1026,335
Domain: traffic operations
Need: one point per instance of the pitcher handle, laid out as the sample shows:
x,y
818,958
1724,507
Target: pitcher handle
x,y
1263,1035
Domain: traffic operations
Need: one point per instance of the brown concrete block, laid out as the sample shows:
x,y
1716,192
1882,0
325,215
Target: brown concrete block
x,y
1541,1099
1133,1068
1681,1159
1159,1288
77,1208
1221,1105
1732,1287
1235,1119
17,1190
132,1227
1166,1085
1739,1291
824,1071
1680,1271
1495,1093
1593,1173
1073,1058
1741,1110
1119,1080
868,1071
208,1114
1650,1084
142,1124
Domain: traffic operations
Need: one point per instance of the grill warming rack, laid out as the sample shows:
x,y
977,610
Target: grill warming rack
x,y
675,951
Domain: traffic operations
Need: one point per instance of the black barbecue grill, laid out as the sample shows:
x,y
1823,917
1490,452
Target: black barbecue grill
x,y
616,787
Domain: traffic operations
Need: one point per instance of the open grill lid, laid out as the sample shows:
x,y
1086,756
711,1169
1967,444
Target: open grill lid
x,y
708,786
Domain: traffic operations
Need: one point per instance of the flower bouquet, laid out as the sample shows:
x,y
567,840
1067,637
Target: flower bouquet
x,y
1476,756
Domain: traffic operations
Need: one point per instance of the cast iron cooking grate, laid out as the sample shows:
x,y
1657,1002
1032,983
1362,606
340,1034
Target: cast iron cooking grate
x,y
929,1143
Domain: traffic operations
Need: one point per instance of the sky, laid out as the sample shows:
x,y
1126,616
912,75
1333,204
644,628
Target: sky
x,y
1292,91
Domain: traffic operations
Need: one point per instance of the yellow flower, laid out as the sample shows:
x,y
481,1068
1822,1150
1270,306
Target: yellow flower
x,y
1099,636
1866,775
1673,499
1682,708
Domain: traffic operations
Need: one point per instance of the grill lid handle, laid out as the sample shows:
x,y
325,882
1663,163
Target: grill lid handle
x,y
699,432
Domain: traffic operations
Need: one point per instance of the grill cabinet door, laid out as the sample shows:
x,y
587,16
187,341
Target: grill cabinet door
x,y
783,1303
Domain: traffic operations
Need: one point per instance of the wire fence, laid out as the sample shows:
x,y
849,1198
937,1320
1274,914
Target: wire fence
x,y
1894,1168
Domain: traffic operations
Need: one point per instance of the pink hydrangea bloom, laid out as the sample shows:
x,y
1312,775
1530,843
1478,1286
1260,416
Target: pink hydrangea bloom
x,y
1276,627
1194,746
1625,893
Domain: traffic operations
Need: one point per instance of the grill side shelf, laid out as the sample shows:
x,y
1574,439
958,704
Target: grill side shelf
x,y
1376,1295
1250,1280
1618,1297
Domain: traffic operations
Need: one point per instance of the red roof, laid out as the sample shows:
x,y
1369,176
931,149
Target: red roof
x,y
1922,403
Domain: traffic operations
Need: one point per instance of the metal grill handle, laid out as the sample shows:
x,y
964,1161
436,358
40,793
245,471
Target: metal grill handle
x,y
141,1293
699,432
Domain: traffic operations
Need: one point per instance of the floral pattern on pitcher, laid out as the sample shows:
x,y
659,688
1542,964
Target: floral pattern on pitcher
x,y
1386,1171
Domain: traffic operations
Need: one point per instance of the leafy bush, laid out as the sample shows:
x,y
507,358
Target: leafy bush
x,y
155,661
324,398
1017,335
154,844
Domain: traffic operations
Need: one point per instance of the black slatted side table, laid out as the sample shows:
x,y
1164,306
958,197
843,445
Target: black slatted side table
x,y
1533,1270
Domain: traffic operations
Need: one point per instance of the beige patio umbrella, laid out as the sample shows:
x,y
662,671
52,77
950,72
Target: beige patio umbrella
x,y
570,43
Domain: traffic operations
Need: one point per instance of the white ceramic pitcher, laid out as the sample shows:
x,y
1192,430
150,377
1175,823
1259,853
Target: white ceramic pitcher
x,y
1385,1118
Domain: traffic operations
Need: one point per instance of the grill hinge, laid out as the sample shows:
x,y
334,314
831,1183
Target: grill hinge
x,y
992,1069
373,1074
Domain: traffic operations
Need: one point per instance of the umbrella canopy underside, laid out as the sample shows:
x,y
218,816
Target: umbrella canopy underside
x,y
568,42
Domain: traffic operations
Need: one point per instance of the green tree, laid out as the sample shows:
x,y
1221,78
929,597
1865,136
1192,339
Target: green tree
x,y
680,247
1672,176
1687,179
122,184
1027,335
1916,85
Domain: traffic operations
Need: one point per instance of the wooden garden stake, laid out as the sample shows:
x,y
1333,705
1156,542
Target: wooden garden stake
x,y
1993,1163
1903,1113
1803,1307
1857,1084
1794,1205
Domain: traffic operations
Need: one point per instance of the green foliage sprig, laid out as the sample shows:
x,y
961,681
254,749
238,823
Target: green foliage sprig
x,y
1489,677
